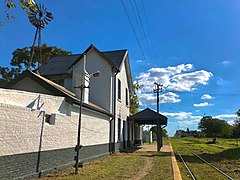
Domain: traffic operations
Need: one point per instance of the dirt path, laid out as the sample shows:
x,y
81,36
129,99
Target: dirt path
x,y
146,168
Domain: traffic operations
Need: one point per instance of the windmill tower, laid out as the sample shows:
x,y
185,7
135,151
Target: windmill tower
x,y
39,17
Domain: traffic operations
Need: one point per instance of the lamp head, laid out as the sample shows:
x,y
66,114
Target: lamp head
x,y
96,74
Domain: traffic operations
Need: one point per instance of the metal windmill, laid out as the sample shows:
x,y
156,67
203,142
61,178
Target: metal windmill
x,y
39,17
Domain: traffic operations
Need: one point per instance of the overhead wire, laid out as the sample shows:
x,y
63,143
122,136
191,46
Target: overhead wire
x,y
149,31
143,31
134,31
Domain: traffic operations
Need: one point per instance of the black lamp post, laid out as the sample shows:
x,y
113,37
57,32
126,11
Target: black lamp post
x,y
78,146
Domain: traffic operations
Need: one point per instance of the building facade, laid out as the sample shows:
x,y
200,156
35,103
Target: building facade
x,y
39,113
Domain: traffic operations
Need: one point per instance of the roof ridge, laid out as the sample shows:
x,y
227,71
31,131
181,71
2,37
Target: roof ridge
x,y
68,55
114,50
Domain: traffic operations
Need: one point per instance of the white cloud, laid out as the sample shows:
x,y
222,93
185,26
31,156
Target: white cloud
x,y
225,62
177,78
188,81
185,119
207,96
202,104
197,110
151,99
173,78
230,118
169,97
139,61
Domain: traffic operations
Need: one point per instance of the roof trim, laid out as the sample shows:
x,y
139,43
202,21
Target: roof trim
x,y
86,51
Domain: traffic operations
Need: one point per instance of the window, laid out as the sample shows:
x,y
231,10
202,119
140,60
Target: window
x,y
119,129
119,89
126,97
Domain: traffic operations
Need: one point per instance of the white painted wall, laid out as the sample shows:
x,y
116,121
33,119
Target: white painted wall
x,y
122,111
68,84
21,126
52,104
100,87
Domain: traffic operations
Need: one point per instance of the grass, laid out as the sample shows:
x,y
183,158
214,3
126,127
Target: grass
x,y
117,166
224,155
162,167
122,166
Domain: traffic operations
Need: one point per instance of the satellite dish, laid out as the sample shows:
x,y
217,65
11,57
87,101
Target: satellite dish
x,y
38,17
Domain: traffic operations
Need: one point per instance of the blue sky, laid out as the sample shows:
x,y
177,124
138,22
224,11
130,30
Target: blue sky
x,y
194,49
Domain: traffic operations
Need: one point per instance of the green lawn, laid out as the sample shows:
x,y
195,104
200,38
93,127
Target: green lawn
x,y
162,167
117,166
224,155
122,166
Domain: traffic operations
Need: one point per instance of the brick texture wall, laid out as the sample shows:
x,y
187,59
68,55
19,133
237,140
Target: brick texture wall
x,y
23,130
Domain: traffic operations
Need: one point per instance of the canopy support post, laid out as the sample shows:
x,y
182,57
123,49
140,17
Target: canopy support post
x,y
158,136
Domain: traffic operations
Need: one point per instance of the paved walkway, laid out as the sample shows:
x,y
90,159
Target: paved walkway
x,y
152,148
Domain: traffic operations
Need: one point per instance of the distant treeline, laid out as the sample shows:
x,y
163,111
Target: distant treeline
x,y
182,134
212,128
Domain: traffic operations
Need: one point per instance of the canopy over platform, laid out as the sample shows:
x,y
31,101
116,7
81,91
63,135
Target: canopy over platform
x,y
148,116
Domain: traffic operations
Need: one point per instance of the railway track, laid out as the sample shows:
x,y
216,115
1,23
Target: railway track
x,y
206,162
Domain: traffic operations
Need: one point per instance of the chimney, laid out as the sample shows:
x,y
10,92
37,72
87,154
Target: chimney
x,y
83,82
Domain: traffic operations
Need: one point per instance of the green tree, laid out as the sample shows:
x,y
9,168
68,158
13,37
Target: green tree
x,y
154,132
134,102
21,58
11,4
214,127
237,125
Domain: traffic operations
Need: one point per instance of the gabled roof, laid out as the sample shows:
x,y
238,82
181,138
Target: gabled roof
x,y
116,57
58,65
56,90
61,64
148,116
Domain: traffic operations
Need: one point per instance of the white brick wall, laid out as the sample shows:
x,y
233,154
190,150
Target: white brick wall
x,y
29,99
20,127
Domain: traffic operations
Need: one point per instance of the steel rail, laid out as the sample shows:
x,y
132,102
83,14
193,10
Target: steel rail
x,y
190,172
223,173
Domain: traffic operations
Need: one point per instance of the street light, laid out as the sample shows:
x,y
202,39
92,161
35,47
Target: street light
x,y
82,87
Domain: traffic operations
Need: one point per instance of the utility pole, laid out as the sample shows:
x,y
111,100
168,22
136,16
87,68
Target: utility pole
x,y
158,89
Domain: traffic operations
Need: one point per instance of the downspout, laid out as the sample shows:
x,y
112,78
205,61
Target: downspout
x,y
114,107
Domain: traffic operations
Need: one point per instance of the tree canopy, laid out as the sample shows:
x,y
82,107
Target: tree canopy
x,y
237,125
11,4
134,102
21,58
213,127
154,132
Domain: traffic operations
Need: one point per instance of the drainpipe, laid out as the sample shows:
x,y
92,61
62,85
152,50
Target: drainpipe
x,y
114,107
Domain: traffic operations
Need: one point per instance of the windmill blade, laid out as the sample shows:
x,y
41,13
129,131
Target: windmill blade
x,y
49,15
42,23
33,10
45,21
44,10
